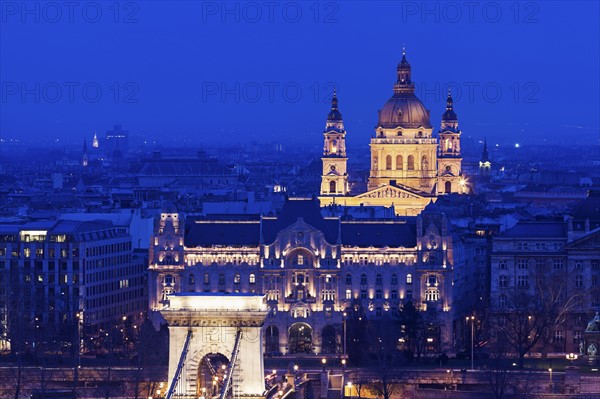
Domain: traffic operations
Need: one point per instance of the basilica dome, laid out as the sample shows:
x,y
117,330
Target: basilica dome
x,y
404,110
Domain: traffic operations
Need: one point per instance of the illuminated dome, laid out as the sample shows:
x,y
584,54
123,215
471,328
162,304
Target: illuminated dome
x,y
404,109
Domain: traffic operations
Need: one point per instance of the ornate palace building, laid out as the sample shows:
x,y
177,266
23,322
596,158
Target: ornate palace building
x,y
311,268
409,166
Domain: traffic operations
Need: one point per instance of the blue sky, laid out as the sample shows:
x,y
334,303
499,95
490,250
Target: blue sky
x,y
208,72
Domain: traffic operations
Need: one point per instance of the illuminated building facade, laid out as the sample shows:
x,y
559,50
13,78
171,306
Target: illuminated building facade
x,y
311,269
55,274
409,166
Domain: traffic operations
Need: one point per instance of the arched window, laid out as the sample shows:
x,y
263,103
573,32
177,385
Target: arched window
x,y
394,279
252,279
388,162
348,294
348,279
363,279
502,301
332,187
236,278
409,278
378,279
410,163
424,163
448,187
399,162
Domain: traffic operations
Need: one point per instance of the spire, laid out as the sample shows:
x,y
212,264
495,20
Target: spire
x,y
95,140
334,114
485,156
404,83
84,158
449,115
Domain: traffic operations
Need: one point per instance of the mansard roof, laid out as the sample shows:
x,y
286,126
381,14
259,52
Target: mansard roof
x,y
536,229
245,230
206,232
378,234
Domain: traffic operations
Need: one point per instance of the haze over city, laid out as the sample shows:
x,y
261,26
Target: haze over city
x,y
266,71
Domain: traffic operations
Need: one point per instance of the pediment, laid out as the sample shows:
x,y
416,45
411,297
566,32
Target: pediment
x,y
389,192
589,241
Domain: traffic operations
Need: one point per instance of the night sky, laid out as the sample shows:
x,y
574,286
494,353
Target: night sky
x,y
214,72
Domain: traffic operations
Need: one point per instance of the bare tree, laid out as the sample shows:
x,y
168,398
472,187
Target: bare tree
x,y
499,370
383,348
531,313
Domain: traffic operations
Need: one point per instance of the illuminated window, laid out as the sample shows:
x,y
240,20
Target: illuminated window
x,y
236,278
348,294
409,278
432,295
252,278
300,260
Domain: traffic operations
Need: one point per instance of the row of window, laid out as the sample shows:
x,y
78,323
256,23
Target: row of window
x,y
595,302
523,281
557,264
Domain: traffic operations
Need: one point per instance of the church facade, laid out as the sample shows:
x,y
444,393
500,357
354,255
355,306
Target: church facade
x,y
312,270
409,165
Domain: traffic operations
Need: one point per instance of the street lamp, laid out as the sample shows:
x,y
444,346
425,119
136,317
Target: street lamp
x,y
344,318
472,320
323,361
572,357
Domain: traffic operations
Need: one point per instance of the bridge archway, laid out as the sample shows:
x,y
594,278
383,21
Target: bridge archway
x,y
202,325
211,372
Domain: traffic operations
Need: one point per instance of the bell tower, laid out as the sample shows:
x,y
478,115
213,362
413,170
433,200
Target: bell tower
x,y
334,180
450,179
